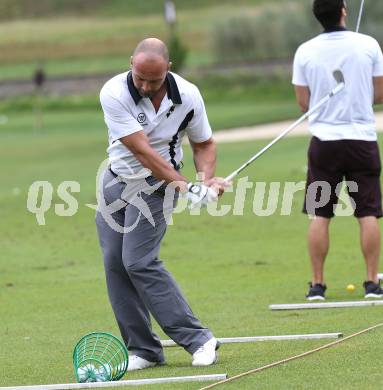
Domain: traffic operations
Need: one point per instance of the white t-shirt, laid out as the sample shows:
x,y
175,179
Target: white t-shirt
x,y
182,111
349,114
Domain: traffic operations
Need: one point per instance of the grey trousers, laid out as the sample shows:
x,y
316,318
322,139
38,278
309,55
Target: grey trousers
x,y
137,281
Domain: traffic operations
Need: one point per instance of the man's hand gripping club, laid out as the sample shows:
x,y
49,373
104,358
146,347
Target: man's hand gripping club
x,y
200,194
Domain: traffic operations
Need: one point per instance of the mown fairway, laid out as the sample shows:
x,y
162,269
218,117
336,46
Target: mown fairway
x,y
90,44
87,37
52,288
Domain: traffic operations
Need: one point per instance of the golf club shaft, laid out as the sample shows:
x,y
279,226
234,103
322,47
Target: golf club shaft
x,y
360,15
324,100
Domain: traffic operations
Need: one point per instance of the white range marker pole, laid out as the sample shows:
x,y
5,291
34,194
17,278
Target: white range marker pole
x,y
253,339
136,382
380,276
326,305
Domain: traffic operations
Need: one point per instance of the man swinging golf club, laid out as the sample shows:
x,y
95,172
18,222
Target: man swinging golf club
x,y
147,111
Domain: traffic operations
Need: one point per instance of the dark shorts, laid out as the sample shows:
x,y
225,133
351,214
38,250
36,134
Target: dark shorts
x,y
357,162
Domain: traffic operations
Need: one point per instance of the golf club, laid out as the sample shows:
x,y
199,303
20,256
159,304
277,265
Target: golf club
x,y
338,76
360,15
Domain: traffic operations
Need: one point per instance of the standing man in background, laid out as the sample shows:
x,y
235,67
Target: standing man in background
x,y
344,142
147,111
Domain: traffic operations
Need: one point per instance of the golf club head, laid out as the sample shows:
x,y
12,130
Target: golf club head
x,y
338,76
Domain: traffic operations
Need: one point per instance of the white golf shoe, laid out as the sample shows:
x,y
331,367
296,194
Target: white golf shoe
x,y
206,354
138,363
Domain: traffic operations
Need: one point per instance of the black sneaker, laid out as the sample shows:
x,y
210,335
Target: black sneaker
x,y
373,290
316,292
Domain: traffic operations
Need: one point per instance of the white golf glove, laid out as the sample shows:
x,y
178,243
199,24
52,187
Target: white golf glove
x,y
199,195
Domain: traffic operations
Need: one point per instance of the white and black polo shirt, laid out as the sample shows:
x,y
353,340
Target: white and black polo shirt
x,y
349,114
182,111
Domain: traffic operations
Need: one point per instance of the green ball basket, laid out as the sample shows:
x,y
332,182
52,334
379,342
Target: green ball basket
x,y
99,357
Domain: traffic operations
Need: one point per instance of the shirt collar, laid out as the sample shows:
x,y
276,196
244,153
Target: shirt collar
x,y
171,87
333,29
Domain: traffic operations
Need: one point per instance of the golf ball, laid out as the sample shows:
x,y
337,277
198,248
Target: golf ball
x,y
103,374
82,374
86,373
350,288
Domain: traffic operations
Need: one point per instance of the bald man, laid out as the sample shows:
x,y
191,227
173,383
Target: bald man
x,y
147,111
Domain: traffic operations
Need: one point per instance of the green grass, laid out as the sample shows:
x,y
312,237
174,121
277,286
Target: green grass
x,y
67,67
83,37
238,100
86,66
19,9
87,44
221,115
52,288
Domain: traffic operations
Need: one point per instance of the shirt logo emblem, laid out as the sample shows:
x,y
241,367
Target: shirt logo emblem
x,y
141,117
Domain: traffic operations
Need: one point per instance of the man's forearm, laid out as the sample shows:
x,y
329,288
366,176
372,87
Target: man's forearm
x,y
378,90
138,144
204,156
302,94
159,167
